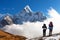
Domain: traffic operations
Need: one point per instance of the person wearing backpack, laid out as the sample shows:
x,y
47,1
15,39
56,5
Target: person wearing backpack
x,y
50,28
44,29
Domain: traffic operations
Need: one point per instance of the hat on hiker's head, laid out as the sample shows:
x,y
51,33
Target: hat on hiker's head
x,y
44,24
50,21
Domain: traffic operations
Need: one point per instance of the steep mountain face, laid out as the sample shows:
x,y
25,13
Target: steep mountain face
x,y
24,16
6,19
28,15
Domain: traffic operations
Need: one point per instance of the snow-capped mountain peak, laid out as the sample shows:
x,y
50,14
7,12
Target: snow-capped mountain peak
x,y
8,19
27,8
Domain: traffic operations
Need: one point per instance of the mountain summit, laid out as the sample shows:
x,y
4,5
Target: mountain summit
x,y
27,9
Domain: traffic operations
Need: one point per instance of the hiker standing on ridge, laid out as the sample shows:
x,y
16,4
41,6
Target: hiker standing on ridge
x,y
44,29
50,28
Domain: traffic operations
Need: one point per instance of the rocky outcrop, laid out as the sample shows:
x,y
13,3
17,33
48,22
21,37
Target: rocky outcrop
x,y
8,36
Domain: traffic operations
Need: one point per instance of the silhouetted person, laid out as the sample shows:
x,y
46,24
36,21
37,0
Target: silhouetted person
x,y
44,29
50,28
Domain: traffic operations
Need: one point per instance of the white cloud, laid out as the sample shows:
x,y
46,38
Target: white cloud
x,y
55,18
53,13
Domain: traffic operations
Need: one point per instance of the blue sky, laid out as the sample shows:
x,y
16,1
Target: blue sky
x,y
15,6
